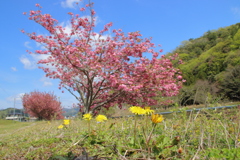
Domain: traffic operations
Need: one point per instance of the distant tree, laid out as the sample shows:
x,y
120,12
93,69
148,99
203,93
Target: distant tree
x,y
199,93
201,88
197,50
186,96
211,35
234,29
232,59
102,70
42,105
230,83
223,33
184,57
236,42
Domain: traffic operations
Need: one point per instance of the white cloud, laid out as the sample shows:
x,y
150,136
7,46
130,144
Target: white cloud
x,y
69,3
14,69
30,62
26,44
236,11
17,97
27,63
46,81
38,57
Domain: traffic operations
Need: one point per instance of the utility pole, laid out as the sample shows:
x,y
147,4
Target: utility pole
x,y
14,106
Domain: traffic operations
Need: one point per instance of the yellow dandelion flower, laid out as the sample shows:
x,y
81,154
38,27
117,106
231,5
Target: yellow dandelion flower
x,y
156,118
87,116
148,111
48,122
101,118
66,121
137,110
60,127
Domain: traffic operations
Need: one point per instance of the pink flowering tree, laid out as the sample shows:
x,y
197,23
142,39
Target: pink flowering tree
x,y
100,69
42,105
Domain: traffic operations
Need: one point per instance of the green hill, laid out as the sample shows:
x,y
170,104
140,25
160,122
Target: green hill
x,y
70,111
5,112
211,65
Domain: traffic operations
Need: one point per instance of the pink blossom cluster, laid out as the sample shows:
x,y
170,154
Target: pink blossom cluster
x,y
100,70
42,105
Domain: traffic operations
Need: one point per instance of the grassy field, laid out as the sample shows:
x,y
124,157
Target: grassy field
x,y
210,135
8,126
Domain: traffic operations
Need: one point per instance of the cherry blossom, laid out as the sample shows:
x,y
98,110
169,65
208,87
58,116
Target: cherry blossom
x,y
102,71
42,105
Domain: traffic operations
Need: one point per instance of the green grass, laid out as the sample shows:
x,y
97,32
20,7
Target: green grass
x,y
9,126
210,135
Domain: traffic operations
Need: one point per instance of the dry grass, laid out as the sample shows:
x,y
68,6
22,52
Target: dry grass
x,y
203,135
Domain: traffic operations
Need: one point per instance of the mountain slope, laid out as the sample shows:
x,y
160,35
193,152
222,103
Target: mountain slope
x,y
214,58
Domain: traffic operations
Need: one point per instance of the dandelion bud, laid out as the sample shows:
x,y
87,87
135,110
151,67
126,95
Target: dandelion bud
x,y
180,150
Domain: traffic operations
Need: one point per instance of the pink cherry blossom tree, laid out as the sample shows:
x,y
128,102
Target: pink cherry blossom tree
x,y
100,69
42,105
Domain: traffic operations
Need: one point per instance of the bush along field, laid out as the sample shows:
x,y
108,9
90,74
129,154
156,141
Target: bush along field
x,y
146,135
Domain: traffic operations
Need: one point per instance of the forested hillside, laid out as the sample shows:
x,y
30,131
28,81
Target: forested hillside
x,y
211,66
5,112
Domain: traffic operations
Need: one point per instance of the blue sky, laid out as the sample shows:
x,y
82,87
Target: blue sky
x,y
168,22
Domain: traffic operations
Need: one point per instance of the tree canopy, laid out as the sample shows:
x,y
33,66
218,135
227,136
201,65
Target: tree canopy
x,y
42,105
101,70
